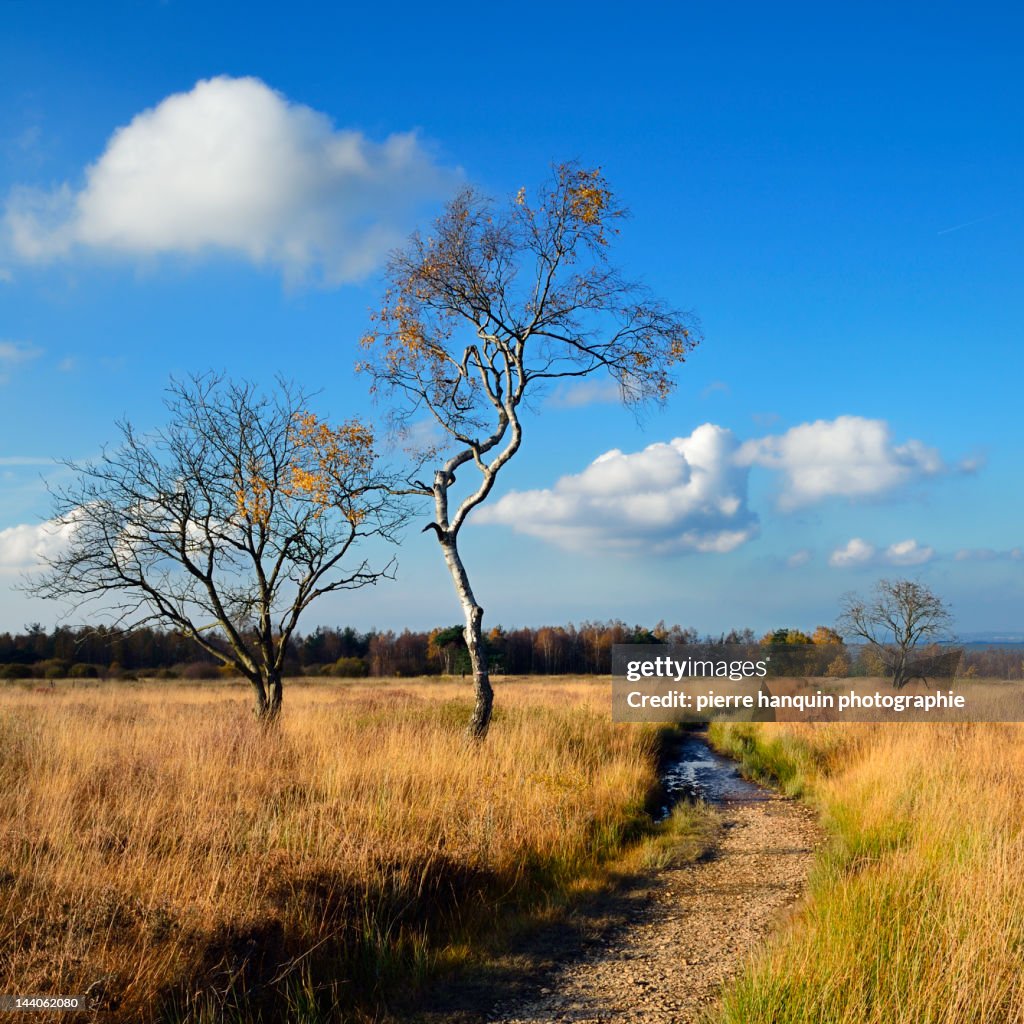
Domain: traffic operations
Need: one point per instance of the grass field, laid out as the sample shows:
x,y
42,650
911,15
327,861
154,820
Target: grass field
x,y
160,850
916,910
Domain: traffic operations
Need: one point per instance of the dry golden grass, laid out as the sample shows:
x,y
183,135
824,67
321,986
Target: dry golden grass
x,y
158,848
916,915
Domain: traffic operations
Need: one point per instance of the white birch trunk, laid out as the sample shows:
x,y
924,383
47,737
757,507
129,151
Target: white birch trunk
x,y
474,615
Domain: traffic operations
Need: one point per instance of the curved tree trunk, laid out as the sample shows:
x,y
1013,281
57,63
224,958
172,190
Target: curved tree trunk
x,y
483,693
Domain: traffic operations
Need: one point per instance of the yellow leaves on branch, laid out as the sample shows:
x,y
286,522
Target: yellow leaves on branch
x,y
580,198
253,497
327,464
404,342
678,347
588,203
589,199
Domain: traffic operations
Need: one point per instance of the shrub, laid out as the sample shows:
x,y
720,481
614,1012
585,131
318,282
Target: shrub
x,y
15,672
838,668
83,671
350,668
52,668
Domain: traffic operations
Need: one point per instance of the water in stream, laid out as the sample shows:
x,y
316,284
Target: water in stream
x,y
693,771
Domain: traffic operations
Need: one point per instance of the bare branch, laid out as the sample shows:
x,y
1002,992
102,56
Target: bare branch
x,y
226,524
899,616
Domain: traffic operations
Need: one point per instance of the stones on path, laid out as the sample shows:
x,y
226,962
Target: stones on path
x,y
693,931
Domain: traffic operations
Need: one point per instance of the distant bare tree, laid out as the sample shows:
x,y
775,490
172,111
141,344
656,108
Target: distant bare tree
x,y
497,302
226,524
894,621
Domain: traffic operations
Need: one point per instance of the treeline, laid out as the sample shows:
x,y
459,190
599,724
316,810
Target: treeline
x,y
344,652
582,649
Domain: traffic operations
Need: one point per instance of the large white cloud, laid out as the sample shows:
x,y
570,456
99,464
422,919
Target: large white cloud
x,y
850,457
232,165
684,495
27,546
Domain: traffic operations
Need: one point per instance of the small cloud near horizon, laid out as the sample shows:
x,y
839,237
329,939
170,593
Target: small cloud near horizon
x,y
859,552
989,555
26,460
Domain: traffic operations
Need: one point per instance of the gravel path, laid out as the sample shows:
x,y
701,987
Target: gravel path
x,y
659,949
690,933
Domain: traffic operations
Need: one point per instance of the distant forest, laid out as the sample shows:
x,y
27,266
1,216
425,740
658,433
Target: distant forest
x,y
100,652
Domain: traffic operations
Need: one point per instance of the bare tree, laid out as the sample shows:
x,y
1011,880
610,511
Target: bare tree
x,y
226,524
893,622
495,303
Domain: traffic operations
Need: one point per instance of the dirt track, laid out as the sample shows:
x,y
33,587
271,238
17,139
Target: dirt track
x,y
659,950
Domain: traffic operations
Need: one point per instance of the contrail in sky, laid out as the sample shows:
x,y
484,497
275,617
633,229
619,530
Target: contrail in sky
x,y
967,224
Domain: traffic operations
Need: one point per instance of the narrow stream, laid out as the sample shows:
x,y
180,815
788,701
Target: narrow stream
x,y
693,771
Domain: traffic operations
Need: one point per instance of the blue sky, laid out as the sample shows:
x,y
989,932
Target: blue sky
x,y
836,193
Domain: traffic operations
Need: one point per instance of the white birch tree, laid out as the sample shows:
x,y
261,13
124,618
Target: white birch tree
x,y
496,302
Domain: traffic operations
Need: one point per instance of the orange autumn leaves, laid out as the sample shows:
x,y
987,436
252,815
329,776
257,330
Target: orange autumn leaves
x,y
325,468
535,277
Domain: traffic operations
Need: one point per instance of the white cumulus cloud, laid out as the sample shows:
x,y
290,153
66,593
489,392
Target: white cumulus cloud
x,y
854,552
908,552
858,551
850,457
27,546
684,495
234,166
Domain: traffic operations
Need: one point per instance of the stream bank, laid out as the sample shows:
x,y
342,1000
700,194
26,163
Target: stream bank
x,y
659,948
